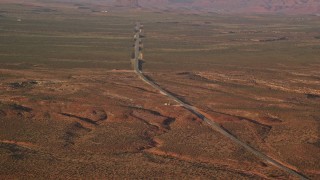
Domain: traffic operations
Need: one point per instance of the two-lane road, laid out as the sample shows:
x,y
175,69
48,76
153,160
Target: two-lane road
x,y
215,126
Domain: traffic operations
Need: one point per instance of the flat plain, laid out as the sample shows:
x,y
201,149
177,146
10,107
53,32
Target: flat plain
x,y
71,106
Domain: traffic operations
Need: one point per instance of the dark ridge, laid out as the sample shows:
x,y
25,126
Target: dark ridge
x,y
271,119
16,152
142,89
100,114
148,110
317,143
73,132
312,96
196,77
26,84
183,73
200,78
145,121
43,10
149,134
20,108
69,138
167,122
87,120
244,118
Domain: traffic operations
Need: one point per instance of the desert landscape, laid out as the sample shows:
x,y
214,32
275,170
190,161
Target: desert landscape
x,y
74,106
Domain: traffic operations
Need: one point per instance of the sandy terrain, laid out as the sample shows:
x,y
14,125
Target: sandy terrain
x,y
72,107
84,123
274,110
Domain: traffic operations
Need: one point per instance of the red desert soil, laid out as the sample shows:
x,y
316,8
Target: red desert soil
x,y
97,123
273,110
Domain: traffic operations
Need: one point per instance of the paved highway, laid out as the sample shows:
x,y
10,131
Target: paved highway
x,y
210,122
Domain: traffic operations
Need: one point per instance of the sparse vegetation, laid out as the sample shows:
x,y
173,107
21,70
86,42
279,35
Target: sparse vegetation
x,y
72,108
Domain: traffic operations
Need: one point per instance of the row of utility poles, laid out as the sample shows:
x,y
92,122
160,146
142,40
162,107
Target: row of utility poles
x,y
137,54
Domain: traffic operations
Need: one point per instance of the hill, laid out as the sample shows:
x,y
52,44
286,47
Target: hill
x,y
232,6
293,7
